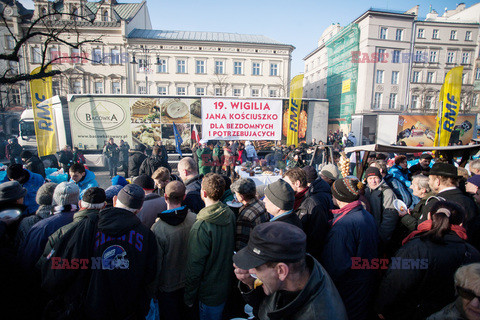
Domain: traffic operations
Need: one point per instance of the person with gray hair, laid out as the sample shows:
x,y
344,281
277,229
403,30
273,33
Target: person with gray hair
x,y
467,304
421,189
474,166
252,212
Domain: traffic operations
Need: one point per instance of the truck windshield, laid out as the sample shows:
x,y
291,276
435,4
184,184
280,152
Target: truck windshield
x,y
27,128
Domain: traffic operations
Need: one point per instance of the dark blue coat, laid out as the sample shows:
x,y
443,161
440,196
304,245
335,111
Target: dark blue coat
x,y
354,235
32,185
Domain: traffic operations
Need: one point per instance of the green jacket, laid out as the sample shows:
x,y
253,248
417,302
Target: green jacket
x,y
210,250
204,160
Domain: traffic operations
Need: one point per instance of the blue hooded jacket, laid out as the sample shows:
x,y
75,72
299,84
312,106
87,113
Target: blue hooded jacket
x,y
32,185
87,182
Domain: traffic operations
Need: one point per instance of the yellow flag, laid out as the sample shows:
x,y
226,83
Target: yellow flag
x,y
41,89
450,106
294,105
438,118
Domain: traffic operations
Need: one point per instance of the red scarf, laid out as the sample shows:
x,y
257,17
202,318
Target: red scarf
x,y
427,226
340,213
299,198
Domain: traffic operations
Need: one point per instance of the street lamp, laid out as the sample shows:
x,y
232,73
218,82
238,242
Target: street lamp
x,y
145,51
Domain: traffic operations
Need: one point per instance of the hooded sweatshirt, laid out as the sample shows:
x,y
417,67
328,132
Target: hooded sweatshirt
x,y
87,182
151,164
210,250
172,231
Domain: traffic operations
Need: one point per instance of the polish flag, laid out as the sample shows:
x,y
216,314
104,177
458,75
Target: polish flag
x,y
195,135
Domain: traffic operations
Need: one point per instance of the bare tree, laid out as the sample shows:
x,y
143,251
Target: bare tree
x,y
220,81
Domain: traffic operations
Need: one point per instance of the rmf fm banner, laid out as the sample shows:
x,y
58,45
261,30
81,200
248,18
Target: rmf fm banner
x,y
41,89
450,105
295,102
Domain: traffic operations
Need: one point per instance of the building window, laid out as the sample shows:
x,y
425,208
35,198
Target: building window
x,y
475,100
399,35
377,101
13,67
181,66
36,55
77,87
162,66
54,55
433,56
218,92
414,101
98,87
274,69
75,14
75,55
428,102
419,56
200,66
477,74
396,56
453,35
383,33
181,91
463,77
450,57
237,92
421,33
416,76
255,93
162,90
10,42
200,91
395,77
465,57
237,67
272,93
219,67
393,101
379,76
56,87
115,56
435,34
430,77
116,89
381,55
105,15
142,89
255,68
15,94
97,56
468,36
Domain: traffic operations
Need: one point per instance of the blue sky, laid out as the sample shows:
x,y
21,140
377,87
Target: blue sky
x,y
299,23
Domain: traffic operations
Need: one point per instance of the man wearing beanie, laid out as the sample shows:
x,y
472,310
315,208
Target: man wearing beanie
x,y
125,266
44,199
353,236
330,173
93,201
33,163
153,204
84,178
293,284
30,181
210,246
312,206
65,201
381,198
279,201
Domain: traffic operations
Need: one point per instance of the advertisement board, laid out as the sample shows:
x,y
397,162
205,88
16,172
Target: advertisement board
x,y
419,130
241,119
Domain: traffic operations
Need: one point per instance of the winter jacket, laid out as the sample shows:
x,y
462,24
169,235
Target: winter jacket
x,y
210,250
35,165
151,164
251,152
152,206
412,220
66,159
399,188
401,174
314,212
34,182
353,236
385,215
172,231
425,285
34,244
204,160
87,182
453,311
418,169
249,216
135,160
27,223
291,218
123,152
111,150
318,300
193,200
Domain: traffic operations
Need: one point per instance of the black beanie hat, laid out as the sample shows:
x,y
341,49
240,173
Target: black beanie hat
x,y
26,154
16,172
94,195
373,172
145,182
346,189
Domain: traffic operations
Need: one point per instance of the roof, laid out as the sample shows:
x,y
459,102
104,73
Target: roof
x,y
200,36
385,12
125,11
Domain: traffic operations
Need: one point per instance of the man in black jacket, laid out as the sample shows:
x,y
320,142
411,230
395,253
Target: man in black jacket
x,y
123,156
152,163
135,160
295,285
110,150
187,169
33,163
279,200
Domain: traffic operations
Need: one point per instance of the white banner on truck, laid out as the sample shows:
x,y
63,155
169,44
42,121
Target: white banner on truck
x,y
241,119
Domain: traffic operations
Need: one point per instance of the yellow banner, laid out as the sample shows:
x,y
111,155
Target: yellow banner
x,y
449,106
41,89
346,84
295,102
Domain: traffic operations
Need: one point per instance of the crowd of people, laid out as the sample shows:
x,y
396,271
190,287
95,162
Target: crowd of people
x,y
163,244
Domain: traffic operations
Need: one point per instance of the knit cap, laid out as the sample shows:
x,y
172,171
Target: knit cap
x,y
330,171
132,196
373,172
119,180
45,194
346,189
66,193
281,194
